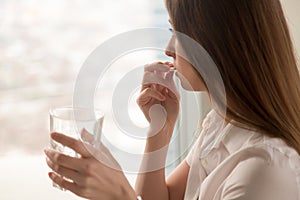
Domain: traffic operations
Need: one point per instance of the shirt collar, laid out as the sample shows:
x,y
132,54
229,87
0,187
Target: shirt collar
x,y
231,136
237,138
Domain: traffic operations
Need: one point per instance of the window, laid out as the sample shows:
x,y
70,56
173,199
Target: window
x,y
43,44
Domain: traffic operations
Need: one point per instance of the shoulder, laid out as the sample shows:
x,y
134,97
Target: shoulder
x,y
268,172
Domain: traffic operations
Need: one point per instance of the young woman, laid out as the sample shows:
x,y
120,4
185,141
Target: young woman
x,y
255,155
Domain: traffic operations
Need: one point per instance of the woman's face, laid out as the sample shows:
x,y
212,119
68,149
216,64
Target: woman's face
x,y
189,77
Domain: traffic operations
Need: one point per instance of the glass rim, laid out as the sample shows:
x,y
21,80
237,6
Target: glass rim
x,y
97,112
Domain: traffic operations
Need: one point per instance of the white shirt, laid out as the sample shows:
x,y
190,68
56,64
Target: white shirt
x,y
239,164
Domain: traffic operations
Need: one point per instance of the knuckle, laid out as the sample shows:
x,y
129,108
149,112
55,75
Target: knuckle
x,y
87,181
57,168
90,168
74,144
50,163
142,96
55,157
59,158
140,101
147,90
137,100
64,184
157,63
57,180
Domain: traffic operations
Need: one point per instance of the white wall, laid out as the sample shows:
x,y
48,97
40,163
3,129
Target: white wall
x,y
292,11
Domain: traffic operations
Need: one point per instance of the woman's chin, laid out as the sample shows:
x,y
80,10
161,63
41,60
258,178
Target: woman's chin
x,y
190,88
185,84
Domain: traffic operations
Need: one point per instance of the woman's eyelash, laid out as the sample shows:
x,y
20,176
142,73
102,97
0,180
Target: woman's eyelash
x,y
170,29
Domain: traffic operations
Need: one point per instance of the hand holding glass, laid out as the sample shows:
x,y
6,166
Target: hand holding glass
x,y
72,122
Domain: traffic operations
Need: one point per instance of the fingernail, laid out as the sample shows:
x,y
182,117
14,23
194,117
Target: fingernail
x,y
53,135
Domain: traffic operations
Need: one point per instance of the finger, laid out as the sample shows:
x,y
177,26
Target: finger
x,y
149,94
169,75
151,78
66,172
144,86
72,143
68,185
173,95
64,160
93,140
159,68
170,94
154,78
159,88
172,90
87,137
156,67
168,82
169,64
160,73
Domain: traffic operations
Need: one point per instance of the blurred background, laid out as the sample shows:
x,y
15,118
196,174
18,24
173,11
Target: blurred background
x,y
43,44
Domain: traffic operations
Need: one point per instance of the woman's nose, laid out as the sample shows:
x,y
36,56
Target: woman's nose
x,y
170,49
170,53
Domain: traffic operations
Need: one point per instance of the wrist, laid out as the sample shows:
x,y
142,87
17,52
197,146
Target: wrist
x,y
128,194
159,139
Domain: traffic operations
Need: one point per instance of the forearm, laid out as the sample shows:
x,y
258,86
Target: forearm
x,y
151,182
152,185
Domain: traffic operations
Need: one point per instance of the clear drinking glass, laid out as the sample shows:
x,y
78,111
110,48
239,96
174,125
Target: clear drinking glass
x,y
71,121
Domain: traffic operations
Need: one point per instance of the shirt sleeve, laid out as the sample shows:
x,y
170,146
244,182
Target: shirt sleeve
x,y
254,179
190,156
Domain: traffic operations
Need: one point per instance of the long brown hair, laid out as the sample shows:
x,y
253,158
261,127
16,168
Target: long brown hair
x,y
250,43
